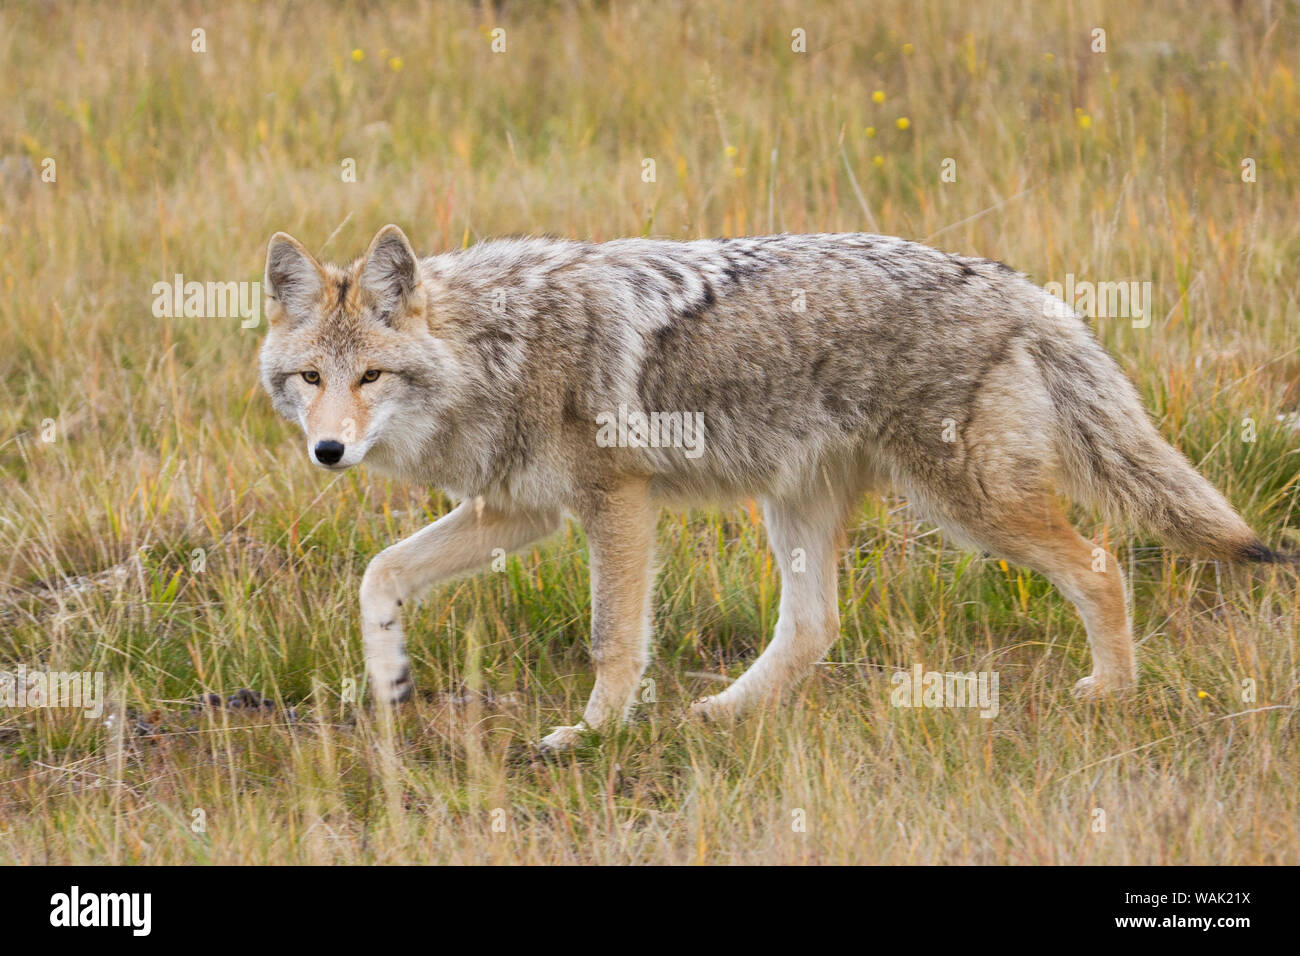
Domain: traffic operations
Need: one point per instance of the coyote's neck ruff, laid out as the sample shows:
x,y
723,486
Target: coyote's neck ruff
x,y
535,377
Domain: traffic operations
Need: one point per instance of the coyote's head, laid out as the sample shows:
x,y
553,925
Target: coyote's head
x,y
350,356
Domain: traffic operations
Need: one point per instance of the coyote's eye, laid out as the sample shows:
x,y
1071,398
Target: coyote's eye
x,y
311,378
370,376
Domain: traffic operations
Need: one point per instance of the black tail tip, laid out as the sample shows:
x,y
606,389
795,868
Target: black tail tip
x,y
1261,553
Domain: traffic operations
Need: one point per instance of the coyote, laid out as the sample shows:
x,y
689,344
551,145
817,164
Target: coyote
x,y
819,367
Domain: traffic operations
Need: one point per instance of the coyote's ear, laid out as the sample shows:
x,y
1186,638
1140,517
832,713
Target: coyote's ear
x,y
294,279
391,275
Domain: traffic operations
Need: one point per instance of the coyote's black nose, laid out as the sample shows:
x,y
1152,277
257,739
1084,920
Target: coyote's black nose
x,y
329,452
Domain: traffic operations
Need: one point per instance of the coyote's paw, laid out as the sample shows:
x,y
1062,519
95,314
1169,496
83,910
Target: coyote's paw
x,y
715,708
563,738
1097,686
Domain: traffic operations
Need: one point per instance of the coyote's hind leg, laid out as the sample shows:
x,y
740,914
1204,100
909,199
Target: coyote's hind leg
x,y
1038,535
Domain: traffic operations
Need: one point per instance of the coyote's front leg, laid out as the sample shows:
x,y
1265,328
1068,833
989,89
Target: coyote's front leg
x,y
620,538
459,541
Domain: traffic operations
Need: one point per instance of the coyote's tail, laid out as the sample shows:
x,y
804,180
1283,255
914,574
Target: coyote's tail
x,y
1113,456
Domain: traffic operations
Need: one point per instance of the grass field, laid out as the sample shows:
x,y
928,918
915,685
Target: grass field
x,y
159,524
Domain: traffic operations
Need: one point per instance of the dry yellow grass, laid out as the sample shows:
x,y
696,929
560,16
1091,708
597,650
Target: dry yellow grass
x,y
1123,165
